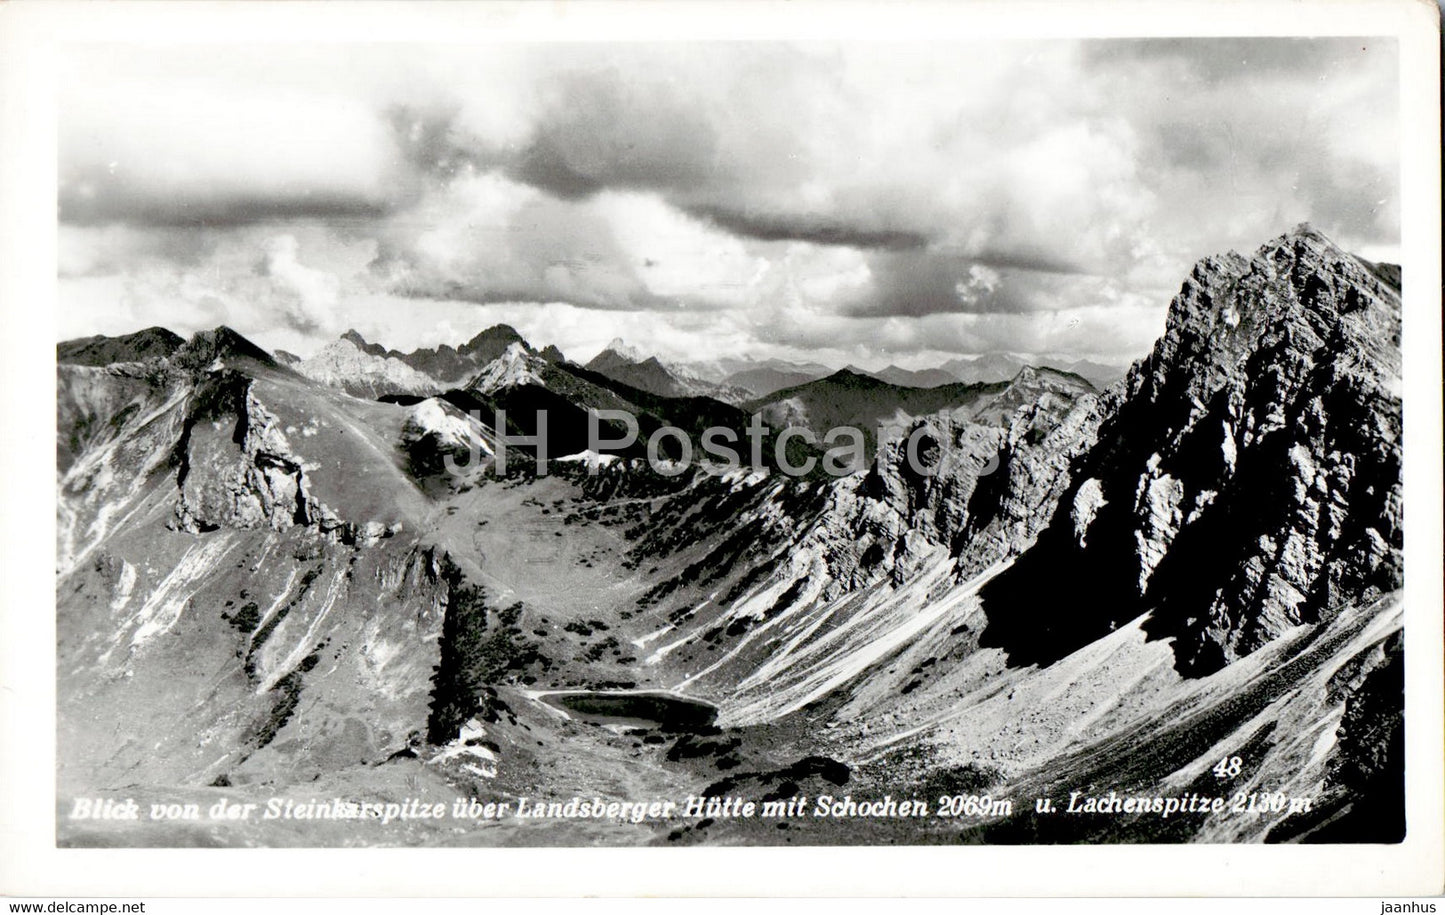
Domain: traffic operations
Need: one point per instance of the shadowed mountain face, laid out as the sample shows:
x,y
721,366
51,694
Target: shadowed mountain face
x,y
764,380
854,399
151,343
927,378
275,579
648,373
1246,478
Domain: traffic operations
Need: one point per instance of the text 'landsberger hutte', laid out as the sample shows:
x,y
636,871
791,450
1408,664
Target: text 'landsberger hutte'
x,y
691,807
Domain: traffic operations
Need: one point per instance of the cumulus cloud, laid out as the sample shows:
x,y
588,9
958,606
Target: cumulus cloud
x,y
489,239
305,296
285,289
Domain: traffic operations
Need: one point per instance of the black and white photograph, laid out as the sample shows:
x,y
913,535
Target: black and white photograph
x,y
763,442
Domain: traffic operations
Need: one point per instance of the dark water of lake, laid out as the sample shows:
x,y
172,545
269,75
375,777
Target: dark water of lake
x,y
635,709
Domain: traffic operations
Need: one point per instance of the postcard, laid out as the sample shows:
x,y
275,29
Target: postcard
x,y
520,433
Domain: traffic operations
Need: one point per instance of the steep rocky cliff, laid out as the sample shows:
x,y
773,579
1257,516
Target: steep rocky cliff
x,y
1244,478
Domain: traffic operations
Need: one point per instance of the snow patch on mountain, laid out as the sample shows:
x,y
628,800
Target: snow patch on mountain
x,y
591,459
448,426
514,368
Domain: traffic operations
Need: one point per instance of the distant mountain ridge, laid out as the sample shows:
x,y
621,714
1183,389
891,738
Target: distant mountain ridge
x,y
850,397
100,350
628,365
369,369
445,364
503,368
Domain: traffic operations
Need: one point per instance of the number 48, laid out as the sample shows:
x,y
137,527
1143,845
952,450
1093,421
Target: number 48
x,y
1228,768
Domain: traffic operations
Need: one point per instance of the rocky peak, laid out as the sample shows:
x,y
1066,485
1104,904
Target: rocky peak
x,y
434,429
206,346
516,366
1046,390
854,377
615,355
1299,293
618,347
491,342
1045,375
364,370
358,341
1246,476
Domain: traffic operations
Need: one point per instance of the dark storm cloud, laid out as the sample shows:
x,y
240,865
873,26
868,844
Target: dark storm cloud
x,y
106,186
542,166
912,284
90,201
501,242
1230,59
1035,261
918,283
623,297
434,145
601,128
815,229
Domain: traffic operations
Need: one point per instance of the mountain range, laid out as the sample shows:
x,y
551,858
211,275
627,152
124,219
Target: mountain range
x,y
371,370
268,584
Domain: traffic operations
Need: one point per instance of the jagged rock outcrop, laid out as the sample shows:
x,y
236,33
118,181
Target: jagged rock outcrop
x,y
236,468
886,523
1014,503
993,472
260,483
1046,392
1243,479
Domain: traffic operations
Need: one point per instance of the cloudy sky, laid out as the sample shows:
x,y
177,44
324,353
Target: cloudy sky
x,y
866,203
